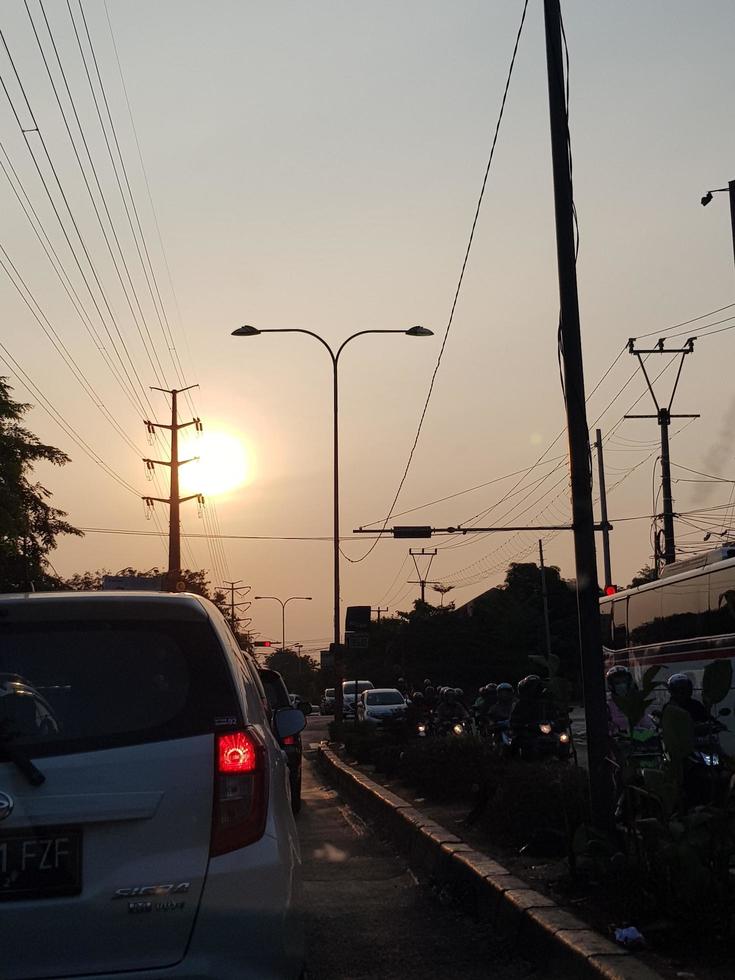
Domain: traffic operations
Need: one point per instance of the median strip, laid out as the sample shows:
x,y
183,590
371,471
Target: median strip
x,y
484,887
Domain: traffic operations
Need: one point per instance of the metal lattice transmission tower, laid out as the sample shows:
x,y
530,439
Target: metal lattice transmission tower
x,y
667,554
173,500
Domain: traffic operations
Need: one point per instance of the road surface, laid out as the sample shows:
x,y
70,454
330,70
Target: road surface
x,y
367,916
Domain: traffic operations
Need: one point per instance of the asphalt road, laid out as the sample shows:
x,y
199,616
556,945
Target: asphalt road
x,y
367,916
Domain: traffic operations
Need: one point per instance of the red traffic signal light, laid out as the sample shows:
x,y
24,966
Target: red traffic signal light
x,y
611,589
261,643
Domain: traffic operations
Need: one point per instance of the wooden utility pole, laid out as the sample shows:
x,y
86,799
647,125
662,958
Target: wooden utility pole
x,y
173,500
570,345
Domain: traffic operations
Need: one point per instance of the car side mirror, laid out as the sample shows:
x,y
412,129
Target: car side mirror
x,y
305,706
289,721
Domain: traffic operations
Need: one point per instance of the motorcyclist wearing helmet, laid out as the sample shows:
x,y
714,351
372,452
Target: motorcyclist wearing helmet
x,y
533,705
417,711
402,686
486,698
501,710
451,708
619,684
681,689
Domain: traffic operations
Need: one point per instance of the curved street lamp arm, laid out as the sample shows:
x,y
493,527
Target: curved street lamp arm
x,y
310,333
361,333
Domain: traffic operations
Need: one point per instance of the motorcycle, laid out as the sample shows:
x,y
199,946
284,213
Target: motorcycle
x,y
537,740
453,728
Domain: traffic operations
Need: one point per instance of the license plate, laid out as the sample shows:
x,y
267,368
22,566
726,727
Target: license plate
x,y
42,863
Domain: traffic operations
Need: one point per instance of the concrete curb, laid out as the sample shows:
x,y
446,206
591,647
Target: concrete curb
x,y
485,888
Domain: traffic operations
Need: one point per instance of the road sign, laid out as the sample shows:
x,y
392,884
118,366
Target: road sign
x,y
357,619
357,641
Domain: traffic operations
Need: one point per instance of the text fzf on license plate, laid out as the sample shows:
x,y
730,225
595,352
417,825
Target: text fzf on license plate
x,y
41,863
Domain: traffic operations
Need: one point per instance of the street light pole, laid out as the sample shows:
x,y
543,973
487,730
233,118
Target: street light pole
x,y
307,598
730,191
249,331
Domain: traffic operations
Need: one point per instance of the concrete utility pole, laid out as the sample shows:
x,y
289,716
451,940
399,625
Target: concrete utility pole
x,y
601,797
664,416
603,511
422,580
242,590
379,610
173,500
545,596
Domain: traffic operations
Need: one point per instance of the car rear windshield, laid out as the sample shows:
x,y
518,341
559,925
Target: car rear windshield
x,y
349,687
80,686
329,693
385,697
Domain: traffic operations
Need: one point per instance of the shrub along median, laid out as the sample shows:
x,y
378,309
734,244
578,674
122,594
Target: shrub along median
x,y
515,802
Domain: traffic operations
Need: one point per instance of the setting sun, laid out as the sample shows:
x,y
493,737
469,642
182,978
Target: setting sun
x,y
223,465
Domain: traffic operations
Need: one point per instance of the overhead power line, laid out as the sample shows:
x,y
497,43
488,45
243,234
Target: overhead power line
x,y
460,281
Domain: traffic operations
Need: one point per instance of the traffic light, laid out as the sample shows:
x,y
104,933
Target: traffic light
x,y
261,643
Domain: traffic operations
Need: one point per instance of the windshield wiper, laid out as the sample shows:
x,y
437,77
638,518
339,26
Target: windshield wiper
x,y
21,760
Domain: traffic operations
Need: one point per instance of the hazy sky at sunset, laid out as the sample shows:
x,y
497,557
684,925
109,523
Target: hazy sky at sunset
x,y
318,166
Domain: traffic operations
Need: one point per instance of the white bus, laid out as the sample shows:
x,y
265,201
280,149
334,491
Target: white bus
x,y
680,623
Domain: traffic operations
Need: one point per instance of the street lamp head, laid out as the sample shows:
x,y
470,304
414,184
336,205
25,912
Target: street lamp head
x,y
419,332
706,199
246,331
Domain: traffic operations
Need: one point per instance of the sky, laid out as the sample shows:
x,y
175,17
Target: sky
x,y
318,166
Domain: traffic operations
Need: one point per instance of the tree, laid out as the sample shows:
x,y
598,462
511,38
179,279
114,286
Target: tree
x,y
300,672
29,525
195,581
646,574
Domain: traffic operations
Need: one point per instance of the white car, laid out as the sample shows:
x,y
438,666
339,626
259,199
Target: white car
x,y
145,820
381,704
348,694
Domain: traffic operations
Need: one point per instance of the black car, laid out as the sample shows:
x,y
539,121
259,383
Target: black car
x,y
278,697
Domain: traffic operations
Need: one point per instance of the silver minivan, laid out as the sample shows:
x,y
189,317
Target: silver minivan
x,y
145,818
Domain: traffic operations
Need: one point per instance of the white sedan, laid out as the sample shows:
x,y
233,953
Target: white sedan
x,y
381,704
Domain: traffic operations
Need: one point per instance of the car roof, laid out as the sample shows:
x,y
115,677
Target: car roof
x,y
50,606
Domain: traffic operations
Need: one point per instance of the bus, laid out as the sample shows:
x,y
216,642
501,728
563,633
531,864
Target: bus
x,y
681,622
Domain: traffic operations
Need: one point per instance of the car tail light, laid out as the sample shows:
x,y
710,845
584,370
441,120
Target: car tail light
x,y
240,791
289,740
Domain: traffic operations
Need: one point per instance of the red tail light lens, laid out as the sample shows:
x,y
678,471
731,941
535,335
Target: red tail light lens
x,y
236,753
240,791
289,740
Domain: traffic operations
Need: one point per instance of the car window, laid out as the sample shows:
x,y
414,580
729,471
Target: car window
x,y
384,697
329,693
80,686
275,691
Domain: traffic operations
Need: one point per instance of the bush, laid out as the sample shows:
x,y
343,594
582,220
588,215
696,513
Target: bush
x,y
527,800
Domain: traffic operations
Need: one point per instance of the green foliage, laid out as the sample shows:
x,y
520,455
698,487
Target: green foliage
x,y
646,574
469,648
716,682
638,700
29,525
677,832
